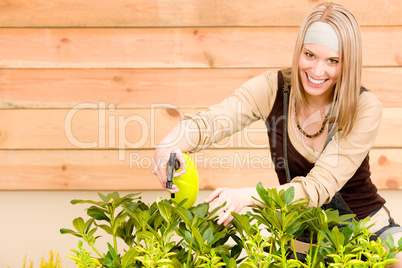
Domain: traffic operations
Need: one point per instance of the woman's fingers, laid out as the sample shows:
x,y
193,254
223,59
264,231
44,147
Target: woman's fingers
x,y
161,158
180,157
226,217
214,195
231,200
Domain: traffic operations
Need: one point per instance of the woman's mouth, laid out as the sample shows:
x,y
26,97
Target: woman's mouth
x,y
315,82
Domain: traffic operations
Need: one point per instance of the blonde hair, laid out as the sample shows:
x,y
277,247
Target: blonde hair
x,y
347,88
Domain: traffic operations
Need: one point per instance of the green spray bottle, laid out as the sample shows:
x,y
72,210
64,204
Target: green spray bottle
x,y
188,183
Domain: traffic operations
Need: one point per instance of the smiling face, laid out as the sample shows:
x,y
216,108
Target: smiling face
x,y
319,69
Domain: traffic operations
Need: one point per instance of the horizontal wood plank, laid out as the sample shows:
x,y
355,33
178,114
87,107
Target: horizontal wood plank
x,y
104,170
174,47
101,126
64,88
189,13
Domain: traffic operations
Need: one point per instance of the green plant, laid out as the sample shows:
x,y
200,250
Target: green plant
x,y
148,230
165,234
202,237
254,243
211,260
25,263
353,248
330,246
284,220
52,262
83,258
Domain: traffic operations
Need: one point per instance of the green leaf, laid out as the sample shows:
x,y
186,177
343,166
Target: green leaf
x,y
129,257
217,237
196,234
114,196
184,215
88,225
92,232
98,214
108,261
244,223
263,193
146,235
201,210
165,211
79,225
208,236
289,195
232,263
103,197
162,261
112,252
277,197
247,264
106,228
119,219
126,199
143,218
188,237
276,220
170,231
79,201
68,231
337,237
390,241
289,219
390,261
236,251
354,262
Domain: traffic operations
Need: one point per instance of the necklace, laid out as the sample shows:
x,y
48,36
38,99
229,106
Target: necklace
x,y
318,133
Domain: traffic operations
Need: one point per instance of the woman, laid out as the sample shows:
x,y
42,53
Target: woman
x,y
328,120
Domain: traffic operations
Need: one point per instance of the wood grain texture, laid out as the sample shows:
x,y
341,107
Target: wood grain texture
x,y
174,47
88,127
80,82
104,170
64,88
189,13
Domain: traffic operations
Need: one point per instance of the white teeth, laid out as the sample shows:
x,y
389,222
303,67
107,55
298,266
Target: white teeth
x,y
315,82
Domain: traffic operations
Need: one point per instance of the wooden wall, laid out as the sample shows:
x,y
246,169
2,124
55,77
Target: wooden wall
x,y
87,88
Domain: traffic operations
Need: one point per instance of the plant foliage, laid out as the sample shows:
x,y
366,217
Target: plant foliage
x,y
165,234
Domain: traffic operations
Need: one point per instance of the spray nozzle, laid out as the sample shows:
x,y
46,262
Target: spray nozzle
x,y
173,165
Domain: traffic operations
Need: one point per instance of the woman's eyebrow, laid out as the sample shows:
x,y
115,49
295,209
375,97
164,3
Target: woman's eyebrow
x,y
311,52
334,58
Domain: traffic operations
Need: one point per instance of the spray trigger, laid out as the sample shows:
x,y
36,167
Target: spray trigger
x,y
173,165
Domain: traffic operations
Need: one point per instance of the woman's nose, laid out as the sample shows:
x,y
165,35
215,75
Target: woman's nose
x,y
318,69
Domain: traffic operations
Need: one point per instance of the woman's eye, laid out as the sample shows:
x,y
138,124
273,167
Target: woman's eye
x,y
332,61
309,55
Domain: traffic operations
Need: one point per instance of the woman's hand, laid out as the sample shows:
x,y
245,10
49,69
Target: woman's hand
x,y
236,200
178,139
161,159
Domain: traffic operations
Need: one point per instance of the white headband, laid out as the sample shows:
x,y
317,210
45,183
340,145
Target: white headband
x,y
323,34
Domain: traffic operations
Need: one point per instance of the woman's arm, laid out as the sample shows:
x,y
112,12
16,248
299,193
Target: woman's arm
x,y
341,158
333,169
252,101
